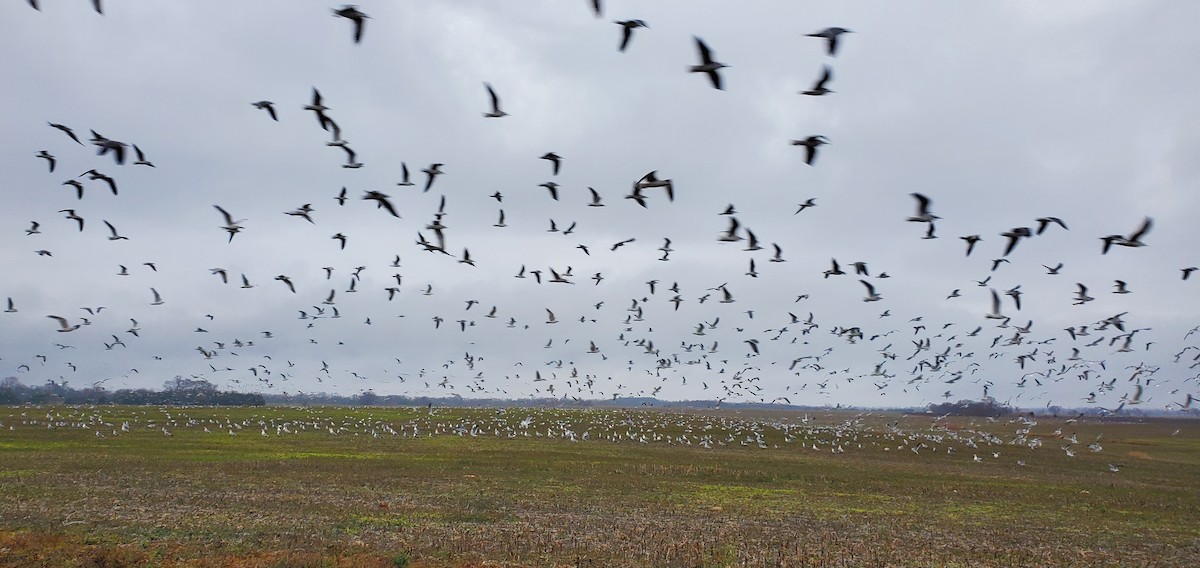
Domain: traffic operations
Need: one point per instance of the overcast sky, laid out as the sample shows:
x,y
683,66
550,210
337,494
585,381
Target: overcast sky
x,y
999,112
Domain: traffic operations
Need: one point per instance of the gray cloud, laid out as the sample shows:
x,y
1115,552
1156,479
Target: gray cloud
x,y
999,113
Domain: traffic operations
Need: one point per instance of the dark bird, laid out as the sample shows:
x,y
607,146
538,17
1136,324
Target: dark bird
x,y
302,212
1135,239
622,243
49,159
431,173
627,27
340,238
811,202
106,145
351,162
971,240
778,257
1044,222
141,157
68,132
231,226
319,108
831,36
381,201
835,270
923,214
267,106
651,180
77,185
404,175
71,215
552,188
1081,296
1014,236
496,112
352,13
595,199
95,175
554,159
810,146
114,236
707,65
818,89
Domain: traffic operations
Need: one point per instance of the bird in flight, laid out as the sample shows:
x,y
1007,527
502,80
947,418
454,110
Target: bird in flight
x,y
64,325
381,201
831,36
707,64
1133,240
818,89
141,158
431,172
554,159
627,27
114,236
231,226
267,106
404,175
971,240
810,146
71,215
923,214
352,13
67,131
49,159
496,112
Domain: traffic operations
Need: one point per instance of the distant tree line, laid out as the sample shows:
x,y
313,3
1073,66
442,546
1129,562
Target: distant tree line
x,y
987,406
176,392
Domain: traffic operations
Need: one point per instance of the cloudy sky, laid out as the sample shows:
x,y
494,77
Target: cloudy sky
x,y
1001,113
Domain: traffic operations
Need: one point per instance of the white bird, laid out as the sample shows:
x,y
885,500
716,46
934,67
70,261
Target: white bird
x,y
64,326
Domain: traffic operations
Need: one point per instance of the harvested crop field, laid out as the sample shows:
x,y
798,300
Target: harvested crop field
x,y
113,486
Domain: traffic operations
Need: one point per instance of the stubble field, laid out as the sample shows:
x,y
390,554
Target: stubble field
x,y
115,486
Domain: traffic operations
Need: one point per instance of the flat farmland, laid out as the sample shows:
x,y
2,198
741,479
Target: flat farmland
x,y
279,486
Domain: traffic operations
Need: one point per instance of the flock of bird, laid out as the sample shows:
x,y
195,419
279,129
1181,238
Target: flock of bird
x,y
1017,440
626,345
